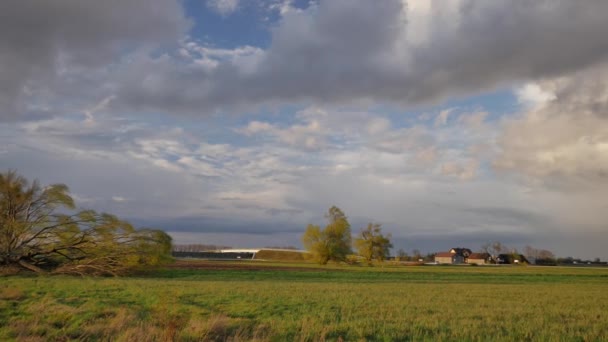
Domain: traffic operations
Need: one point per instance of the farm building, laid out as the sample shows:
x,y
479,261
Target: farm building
x,y
461,255
479,258
244,254
465,252
448,258
513,258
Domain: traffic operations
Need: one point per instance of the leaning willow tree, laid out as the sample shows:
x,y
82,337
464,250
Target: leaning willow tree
x,y
40,230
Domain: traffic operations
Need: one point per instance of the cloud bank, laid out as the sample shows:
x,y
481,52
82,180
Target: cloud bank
x,y
345,105
333,52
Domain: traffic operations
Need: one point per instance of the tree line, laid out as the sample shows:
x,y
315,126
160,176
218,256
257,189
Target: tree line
x,y
41,231
335,242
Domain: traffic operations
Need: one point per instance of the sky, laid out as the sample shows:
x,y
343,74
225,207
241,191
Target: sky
x,y
239,122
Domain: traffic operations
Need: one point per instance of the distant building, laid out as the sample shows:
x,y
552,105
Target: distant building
x,y
465,252
479,258
448,258
512,258
461,255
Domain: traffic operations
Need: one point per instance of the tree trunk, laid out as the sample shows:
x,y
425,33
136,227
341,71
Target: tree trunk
x,y
31,267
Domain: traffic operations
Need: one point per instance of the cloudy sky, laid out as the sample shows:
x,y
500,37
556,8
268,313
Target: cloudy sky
x,y
239,122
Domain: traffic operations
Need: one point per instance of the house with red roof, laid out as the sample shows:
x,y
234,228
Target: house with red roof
x,y
460,255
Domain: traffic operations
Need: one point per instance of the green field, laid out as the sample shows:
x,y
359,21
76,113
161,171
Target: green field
x,y
302,302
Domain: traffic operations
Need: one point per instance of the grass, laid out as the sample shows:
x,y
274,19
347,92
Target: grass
x,y
345,303
267,254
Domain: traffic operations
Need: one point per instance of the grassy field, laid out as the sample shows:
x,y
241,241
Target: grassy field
x,y
303,302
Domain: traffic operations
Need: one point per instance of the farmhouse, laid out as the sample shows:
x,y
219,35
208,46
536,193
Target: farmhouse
x,y
456,255
465,252
479,258
448,258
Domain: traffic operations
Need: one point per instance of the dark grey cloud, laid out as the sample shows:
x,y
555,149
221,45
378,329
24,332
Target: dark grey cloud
x,y
205,224
343,51
43,42
340,51
498,42
514,217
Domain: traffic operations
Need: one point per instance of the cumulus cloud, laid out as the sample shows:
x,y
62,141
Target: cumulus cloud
x,y
531,95
558,149
41,42
309,136
562,141
339,52
342,51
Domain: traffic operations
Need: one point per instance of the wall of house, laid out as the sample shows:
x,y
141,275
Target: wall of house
x,y
458,259
443,260
477,261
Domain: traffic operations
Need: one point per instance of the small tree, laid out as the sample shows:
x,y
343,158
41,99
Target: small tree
x,y
38,233
402,255
417,255
332,243
372,245
494,249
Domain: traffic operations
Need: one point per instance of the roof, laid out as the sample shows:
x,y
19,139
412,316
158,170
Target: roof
x,y
444,255
239,250
461,251
483,256
255,250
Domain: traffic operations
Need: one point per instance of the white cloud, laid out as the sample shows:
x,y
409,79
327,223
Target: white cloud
x,y
563,140
283,7
463,171
223,7
310,135
473,120
119,199
442,118
103,104
531,95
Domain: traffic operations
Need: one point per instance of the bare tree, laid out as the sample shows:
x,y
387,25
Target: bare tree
x,y
402,255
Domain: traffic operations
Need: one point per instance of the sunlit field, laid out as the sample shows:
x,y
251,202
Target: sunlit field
x,y
303,302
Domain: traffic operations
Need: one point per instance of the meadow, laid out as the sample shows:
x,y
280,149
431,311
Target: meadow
x,y
259,301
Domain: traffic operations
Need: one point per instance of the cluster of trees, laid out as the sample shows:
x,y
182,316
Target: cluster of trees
x,y
415,256
532,254
41,231
335,242
540,256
